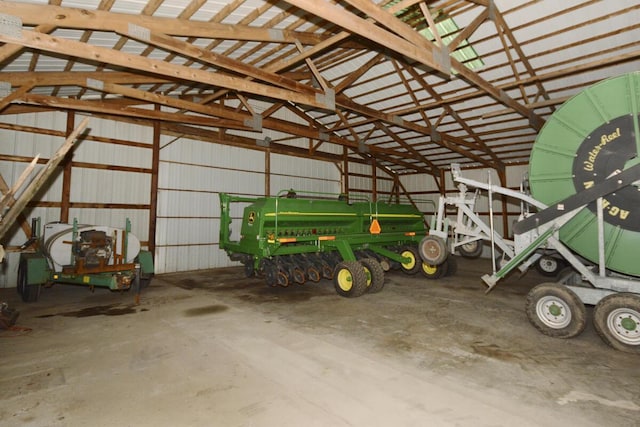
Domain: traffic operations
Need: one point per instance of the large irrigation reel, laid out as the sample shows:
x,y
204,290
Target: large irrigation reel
x,y
584,178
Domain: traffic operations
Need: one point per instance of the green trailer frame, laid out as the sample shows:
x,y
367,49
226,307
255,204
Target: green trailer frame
x,y
35,270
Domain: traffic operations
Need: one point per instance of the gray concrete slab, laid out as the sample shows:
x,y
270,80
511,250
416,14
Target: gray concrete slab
x,y
212,348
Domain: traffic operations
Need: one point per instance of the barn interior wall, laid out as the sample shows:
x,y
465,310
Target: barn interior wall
x,y
111,182
191,176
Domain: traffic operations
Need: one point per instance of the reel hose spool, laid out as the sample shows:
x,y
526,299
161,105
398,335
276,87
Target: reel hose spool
x,y
589,137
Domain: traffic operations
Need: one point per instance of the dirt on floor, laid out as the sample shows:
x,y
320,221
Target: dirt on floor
x,y
450,326
442,329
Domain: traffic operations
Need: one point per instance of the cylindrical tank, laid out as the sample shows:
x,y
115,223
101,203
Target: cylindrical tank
x,y
58,239
590,136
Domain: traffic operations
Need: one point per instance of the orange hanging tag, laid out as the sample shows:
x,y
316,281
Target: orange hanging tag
x,y
375,227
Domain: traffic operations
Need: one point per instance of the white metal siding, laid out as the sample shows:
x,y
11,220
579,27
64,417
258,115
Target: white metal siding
x,y
193,173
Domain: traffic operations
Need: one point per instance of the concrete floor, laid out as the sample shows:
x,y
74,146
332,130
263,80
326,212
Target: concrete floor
x,y
212,348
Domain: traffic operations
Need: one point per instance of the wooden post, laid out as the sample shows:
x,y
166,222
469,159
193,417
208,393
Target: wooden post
x,y
267,173
153,198
65,199
345,170
374,178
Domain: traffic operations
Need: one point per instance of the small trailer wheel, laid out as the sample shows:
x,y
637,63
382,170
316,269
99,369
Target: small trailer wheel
x,y
375,274
434,272
549,266
433,250
617,320
349,279
556,311
414,264
471,250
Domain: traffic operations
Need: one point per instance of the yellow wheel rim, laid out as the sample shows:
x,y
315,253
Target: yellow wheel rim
x,y
345,280
368,274
429,269
412,263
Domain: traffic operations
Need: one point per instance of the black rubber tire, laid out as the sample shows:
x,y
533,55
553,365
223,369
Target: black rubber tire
x,y
313,274
415,264
616,319
249,270
270,274
556,310
21,282
282,278
349,279
375,275
471,250
297,274
433,272
327,271
549,266
452,265
433,250
145,280
29,293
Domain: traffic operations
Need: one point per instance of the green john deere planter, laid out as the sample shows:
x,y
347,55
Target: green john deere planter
x,y
298,238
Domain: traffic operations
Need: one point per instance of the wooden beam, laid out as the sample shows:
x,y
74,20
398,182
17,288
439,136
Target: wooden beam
x,y
127,111
153,190
237,120
434,169
175,71
98,20
67,170
418,41
8,193
468,30
78,78
187,49
15,95
4,188
340,16
9,50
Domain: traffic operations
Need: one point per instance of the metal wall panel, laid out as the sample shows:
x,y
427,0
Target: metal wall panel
x,y
192,173
304,175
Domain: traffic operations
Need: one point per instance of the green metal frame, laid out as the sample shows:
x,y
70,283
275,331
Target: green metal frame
x,y
274,226
39,271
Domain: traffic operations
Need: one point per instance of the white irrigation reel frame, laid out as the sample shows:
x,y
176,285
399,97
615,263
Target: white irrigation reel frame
x,y
556,309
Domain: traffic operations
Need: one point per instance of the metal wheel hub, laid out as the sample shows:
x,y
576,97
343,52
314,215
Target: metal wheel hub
x,y
430,269
553,312
409,265
345,280
548,264
625,324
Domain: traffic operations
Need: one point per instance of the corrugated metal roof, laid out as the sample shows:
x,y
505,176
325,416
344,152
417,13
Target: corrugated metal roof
x,y
535,54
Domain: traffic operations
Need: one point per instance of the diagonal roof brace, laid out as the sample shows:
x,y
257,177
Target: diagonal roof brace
x,y
369,30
